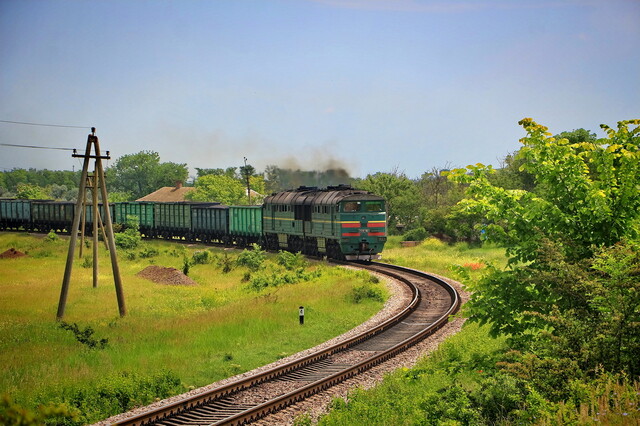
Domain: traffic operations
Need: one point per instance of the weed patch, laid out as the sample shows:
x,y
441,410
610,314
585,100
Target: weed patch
x,y
85,336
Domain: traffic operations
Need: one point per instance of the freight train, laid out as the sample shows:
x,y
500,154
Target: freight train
x,y
338,222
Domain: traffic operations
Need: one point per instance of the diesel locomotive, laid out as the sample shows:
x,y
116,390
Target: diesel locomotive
x,y
338,221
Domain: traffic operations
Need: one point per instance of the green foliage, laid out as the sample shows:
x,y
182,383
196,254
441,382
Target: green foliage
x,y
220,188
586,193
202,257
449,406
186,265
252,259
148,252
291,261
417,234
40,178
52,237
120,196
259,282
363,292
31,192
586,198
85,336
226,263
118,393
87,262
142,173
401,197
130,239
14,414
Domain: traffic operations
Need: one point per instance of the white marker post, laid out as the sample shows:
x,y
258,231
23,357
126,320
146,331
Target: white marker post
x,y
301,311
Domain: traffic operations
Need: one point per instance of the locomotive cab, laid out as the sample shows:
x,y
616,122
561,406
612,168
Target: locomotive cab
x,y
363,224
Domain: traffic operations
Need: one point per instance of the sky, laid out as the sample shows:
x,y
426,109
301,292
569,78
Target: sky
x,y
367,85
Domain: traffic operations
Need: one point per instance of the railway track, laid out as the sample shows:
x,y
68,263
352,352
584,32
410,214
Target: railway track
x,y
254,397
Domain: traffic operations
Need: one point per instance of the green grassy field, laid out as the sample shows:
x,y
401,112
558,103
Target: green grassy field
x,y
199,334
433,255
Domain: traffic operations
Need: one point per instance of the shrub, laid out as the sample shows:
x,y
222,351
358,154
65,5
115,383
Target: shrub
x,y
225,263
252,259
13,414
51,237
87,262
128,240
417,234
186,265
120,392
202,257
360,293
291,261
147,252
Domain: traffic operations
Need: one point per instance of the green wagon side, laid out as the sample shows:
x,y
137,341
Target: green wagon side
x,y
52,215
144,212
245,224
210,223
15,214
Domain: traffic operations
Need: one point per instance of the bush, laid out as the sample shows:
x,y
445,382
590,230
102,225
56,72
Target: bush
x,y
291,261
360,293
203,257
417,234
87,262
51,237
128,240
119,393
147,252
252,259
13,414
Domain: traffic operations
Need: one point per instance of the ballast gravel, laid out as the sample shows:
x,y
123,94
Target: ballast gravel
x,y
318,404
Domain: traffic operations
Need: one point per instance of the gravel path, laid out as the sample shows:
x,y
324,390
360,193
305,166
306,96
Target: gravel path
x,y
318,404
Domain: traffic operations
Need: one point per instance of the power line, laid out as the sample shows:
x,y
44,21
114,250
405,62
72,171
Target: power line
x,y
37,147
44,125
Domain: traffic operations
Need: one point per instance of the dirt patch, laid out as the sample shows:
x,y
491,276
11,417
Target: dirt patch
x,y
11,254
163,275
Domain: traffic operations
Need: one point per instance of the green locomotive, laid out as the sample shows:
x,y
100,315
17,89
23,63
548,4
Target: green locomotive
x,y
339,222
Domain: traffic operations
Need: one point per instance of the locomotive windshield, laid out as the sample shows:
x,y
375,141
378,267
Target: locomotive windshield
x,y
374,206
366,206
351,206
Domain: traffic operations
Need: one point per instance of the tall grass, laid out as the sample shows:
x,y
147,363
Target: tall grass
x,y
441,258
199,333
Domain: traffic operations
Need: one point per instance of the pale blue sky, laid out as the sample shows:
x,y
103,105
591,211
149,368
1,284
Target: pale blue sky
x,y
370,85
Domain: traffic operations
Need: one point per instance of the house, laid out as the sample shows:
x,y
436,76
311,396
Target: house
x,y
168,194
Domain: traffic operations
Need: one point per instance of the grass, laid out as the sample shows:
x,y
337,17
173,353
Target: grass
x,y
199,333
433,255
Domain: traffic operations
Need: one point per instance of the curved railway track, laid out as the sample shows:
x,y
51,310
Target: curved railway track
x,y
249,399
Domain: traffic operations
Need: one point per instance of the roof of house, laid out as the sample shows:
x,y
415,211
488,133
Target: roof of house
x,y
168,194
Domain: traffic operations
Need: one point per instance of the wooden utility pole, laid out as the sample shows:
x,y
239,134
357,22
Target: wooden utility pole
x,y
97,183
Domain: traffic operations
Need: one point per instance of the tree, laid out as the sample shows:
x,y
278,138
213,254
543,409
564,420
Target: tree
x,y
570,292
142,173
31,192
400,193
219,188
229,171
586,199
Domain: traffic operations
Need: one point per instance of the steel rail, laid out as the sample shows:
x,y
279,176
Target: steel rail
x,y
278,403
